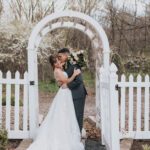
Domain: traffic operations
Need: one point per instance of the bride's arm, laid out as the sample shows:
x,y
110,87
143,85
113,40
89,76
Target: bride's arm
x,y
63,79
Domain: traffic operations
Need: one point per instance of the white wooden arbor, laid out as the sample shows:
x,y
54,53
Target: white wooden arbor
x,y
48,24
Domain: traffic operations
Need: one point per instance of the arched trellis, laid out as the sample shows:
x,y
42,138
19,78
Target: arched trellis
x,y
47,25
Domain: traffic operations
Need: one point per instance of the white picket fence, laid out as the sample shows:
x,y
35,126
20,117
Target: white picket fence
x,y
124,107
14,118
134,107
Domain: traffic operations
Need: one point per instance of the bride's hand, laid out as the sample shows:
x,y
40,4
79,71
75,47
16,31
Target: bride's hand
x,y
64,86
76,72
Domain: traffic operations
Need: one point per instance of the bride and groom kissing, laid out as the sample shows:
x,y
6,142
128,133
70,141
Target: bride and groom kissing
x,y
62,126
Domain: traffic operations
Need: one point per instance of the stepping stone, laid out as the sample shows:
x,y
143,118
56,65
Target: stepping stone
x,y
126,144
94,145
93,118
24,144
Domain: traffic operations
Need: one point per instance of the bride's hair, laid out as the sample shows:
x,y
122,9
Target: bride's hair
x,y
52,60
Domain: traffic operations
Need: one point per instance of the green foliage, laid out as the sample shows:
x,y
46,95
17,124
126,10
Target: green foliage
x,y
12,101
146,147
51,86
89,79
3,139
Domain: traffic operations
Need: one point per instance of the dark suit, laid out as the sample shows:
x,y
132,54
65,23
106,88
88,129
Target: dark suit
x,y
78,92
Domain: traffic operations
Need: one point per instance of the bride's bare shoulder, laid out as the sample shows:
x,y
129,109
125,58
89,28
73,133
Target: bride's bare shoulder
x,y
57,74
57,71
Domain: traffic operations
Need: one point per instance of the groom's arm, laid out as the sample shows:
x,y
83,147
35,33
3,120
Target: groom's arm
x,y
77,81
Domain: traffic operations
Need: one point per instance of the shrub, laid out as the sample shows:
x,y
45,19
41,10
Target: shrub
x,y
3,139
146,147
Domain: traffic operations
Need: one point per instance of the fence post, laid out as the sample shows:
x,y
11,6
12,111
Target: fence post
x,y
102,79
33,111
114,109
97,99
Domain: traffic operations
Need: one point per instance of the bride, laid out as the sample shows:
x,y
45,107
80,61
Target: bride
x,y
59,130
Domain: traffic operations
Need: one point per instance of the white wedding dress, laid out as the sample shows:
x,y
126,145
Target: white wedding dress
x,y
59,130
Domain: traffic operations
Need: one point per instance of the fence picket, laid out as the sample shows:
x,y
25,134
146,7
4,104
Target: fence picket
x,y
1,95
131,104
102,105
15,133
139,79
146,113
25,103
17,93
123,79
8,101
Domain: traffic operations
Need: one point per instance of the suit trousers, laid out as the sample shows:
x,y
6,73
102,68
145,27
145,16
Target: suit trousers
x,y
79,110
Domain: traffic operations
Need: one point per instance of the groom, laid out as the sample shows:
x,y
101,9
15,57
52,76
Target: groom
x,y
76,86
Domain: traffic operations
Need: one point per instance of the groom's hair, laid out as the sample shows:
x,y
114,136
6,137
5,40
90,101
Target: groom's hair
x,y
64,50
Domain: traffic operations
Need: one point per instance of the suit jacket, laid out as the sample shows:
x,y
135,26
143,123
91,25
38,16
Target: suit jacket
x,y
76,86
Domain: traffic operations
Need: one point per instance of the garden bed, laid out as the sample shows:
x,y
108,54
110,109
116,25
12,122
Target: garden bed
x,y
141,145
13,144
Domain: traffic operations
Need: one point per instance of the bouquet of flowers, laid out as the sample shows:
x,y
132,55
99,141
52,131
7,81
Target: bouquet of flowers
x,y
78,58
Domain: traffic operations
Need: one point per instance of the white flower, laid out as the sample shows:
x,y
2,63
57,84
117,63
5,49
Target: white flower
x,y
82,51
78,52
76,58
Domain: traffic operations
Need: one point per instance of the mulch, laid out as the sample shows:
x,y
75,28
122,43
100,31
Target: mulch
x,y
13,144
137,144
93,145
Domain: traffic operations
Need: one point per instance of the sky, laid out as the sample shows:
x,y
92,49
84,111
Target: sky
x,y
129,3
59,5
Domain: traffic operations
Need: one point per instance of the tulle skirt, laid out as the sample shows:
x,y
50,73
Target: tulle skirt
x,y
59,130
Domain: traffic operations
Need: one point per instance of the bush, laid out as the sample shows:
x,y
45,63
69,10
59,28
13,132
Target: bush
x,y
138,65
3,139
146,147
118,61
